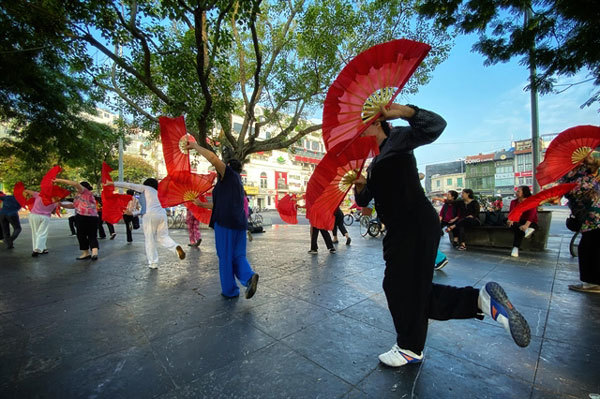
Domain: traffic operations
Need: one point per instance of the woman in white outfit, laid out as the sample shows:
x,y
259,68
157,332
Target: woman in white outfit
x,y
154,222
39,219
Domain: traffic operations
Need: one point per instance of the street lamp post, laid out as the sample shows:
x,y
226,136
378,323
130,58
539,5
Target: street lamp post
x,y
534,107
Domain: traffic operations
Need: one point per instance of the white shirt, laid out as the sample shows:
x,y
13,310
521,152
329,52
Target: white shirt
x,y
153,205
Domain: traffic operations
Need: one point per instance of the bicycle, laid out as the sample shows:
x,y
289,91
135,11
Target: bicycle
x,y
176,220
351,217
574,244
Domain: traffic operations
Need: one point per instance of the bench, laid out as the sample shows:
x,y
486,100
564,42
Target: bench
x,y
502,236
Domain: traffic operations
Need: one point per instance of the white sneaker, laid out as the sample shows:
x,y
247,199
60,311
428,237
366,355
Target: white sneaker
x,y
515,252
529,232
493,302
153,265
397,357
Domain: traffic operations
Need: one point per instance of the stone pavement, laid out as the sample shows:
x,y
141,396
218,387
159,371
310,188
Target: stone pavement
x,y
114,328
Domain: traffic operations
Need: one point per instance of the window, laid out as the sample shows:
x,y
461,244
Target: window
x,y
237,127
263,180
437,183
459,182
244,176
315,146
449,182
267,135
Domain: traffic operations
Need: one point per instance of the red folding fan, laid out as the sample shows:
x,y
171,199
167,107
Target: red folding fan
x,y
202,214
18,190
372,78
113,204
288,209
539,198
174,138
567,151
180,187
51,193
332,179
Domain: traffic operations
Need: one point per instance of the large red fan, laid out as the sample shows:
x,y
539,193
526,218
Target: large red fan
x,y
18,190
332,179
566,151
180,187
288,209
113,204
372,78
200,213
51,193
539,198
174,138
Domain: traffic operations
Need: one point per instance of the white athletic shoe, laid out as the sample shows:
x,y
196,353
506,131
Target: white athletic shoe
x,y
493,302
397,357
515,252
529,232
153,265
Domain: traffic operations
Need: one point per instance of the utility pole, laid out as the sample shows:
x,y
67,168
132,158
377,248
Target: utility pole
x,y
535,141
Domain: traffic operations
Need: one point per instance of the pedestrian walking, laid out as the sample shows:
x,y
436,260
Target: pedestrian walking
x,y
131,216
401,204
155,225
9,216
230,222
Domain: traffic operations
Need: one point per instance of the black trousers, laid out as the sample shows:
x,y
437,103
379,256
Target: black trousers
x,y
412,297
87,230
339,223
101,233
314,233
461,224
72,224
589,257
5,222
128,219
519,234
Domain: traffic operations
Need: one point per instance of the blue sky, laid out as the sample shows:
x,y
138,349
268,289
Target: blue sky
x,y
486,106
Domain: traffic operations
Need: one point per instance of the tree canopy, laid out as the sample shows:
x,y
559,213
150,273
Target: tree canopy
x,y
269,62
562,37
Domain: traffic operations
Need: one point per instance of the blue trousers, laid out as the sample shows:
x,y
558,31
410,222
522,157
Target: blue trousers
x,y
231,250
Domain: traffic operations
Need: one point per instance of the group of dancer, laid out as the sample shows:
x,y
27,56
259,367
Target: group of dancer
x,y
392,182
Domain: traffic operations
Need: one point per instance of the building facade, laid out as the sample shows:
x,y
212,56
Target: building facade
x,y
441,177
480,172
504,177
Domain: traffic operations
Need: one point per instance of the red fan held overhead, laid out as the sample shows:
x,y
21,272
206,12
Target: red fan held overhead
x,y
288,209
51,193
332,179
18,190
540,198
373,78
174,138
181,187
113,204
566,152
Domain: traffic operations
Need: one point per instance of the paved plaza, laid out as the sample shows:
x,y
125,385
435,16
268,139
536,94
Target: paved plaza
x,y
116,329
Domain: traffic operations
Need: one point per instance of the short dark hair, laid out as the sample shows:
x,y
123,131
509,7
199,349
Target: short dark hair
x,y
130,192
151,182
235,164
526,191
453,193
86,185
469,192
385,126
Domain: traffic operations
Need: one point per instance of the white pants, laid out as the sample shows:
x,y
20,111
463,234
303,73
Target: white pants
x,y
39,231
156,230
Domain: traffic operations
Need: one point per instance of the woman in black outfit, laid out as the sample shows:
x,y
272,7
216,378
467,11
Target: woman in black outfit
x,y
413,299
339,224
470,212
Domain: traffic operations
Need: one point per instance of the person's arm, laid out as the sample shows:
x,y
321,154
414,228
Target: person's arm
x,y
77,186
362,195
426,126
67,205
210,157
130,186
207,205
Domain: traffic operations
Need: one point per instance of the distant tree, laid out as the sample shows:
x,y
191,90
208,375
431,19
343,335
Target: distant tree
x,y
208,60
135,169
561,36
